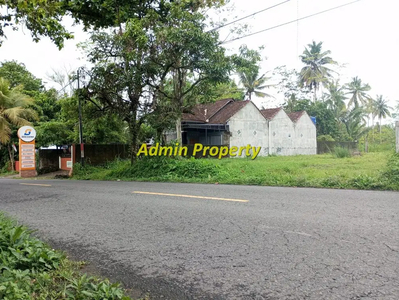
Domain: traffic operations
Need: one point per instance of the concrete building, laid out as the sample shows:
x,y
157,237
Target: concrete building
x,y
239,123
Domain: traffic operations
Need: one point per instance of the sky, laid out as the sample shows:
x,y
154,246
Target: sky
x,y
361,35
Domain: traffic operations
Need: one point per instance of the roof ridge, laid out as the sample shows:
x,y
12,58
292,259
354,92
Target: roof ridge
x,y
228,102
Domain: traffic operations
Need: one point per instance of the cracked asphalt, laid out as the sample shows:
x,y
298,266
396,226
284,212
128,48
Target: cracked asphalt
x,y
284,243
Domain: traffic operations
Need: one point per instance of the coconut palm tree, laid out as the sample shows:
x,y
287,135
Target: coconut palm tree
x,y
254,84
335,98
381,109
14,112
355,123
315,70
358,92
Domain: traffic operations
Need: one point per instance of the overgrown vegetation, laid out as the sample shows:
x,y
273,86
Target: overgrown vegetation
x,y
369,171
340,152
30,269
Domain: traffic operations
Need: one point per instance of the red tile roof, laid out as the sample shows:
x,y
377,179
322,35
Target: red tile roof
x,y
227,112
270,113
202,112
218,112
295,116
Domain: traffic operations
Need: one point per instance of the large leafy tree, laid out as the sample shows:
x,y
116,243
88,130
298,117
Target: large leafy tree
x,y
154,58
316,70
288,84
17,74
358,92
44,17
14,112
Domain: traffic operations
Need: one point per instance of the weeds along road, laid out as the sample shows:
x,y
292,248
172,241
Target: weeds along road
x,y
193,241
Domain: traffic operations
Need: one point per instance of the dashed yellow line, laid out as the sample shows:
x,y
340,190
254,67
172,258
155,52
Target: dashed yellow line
x,y
191,196
37,184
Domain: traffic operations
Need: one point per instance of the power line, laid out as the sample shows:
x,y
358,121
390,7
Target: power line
x,y
296,20
251,15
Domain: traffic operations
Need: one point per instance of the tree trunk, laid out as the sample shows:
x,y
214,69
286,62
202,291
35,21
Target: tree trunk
x,y
366,144
134,134
178,131
372,126
134,128
380,129
11,155
315,95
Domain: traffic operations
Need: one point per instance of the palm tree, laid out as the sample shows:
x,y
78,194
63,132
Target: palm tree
x,y
253,84
315,71
335,99
358,90
355,122
381,109
14,112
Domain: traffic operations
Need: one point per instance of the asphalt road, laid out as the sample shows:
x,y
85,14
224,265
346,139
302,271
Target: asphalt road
x,y
273,243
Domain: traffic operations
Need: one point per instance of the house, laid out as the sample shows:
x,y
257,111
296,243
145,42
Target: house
x,y
238,123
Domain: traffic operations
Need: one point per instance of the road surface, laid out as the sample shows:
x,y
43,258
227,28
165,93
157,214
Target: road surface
x,y
193,241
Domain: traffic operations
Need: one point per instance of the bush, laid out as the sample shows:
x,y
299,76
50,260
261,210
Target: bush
x,y
30,269
325,138
391,174
150,168
340,152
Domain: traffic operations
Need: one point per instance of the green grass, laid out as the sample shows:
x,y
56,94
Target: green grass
x,y
30,269
360,172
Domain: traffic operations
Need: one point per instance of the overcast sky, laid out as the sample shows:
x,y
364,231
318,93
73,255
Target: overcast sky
x,y
362,35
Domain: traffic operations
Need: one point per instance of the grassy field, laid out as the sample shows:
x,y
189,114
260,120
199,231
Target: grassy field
x,y
30,269
368,171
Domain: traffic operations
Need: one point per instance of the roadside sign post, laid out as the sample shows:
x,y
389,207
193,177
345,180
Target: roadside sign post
x,y
27,136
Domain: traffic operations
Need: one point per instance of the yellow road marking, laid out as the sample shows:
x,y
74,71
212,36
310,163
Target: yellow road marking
x,y
38,184
190,196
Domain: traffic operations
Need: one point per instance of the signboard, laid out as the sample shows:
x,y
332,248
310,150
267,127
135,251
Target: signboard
x,y
27,135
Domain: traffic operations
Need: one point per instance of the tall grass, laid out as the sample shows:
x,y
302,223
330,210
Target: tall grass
x,y
365,172
340,152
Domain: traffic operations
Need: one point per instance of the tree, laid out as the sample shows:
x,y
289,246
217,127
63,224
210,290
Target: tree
x,y
315,70
133,68
246,65
335,99
14,113
288,84
381,109
358,92
44,18
254,84
17,74
41,17
325,121
355,124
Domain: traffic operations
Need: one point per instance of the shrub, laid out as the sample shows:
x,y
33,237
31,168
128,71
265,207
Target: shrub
x,y
340,152
391,174
30,269
325,138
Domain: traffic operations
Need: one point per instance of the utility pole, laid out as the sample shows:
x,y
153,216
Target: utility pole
x,y
82,148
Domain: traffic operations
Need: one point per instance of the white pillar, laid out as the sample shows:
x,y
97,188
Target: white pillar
x,y
397,136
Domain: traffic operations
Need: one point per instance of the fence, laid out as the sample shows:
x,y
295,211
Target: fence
x,y
327,147
100,154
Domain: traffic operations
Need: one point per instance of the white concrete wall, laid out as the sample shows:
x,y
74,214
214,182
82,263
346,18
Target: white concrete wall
x,y
248,126
305,142
282,135
397,136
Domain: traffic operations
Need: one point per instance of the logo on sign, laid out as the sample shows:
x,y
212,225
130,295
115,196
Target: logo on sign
x,y
27,134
